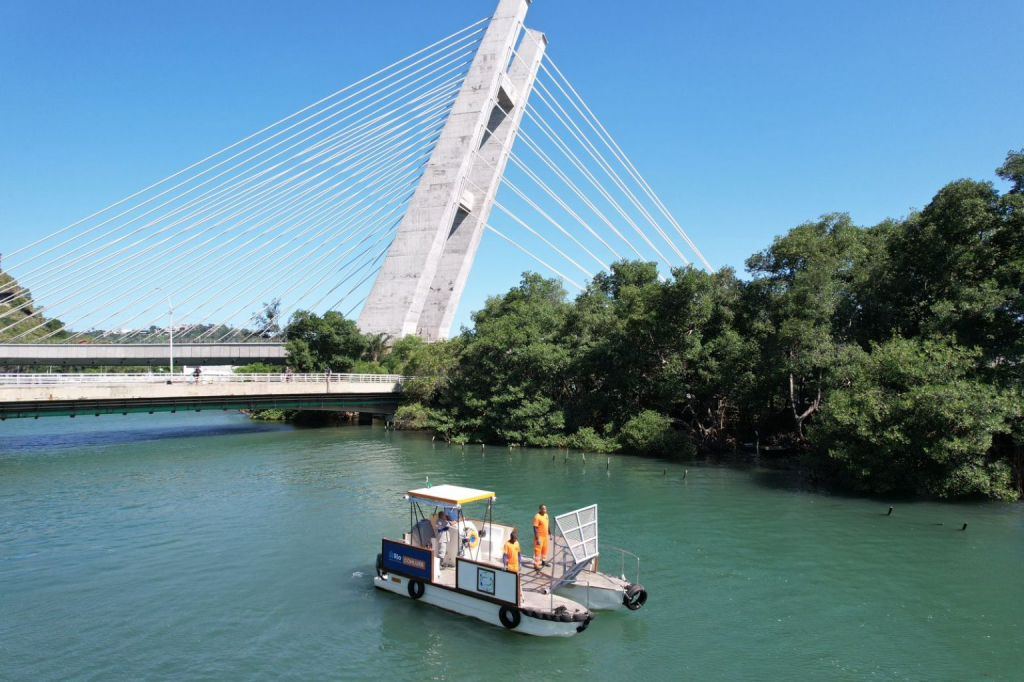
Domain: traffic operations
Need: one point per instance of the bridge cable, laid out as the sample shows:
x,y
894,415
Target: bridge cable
x,y
479,31
228,270
610,142
460,69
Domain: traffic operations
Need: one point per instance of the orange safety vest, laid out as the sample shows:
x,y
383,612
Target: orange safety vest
x,y
512,551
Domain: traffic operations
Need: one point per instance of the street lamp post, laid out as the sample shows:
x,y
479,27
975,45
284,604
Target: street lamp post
x,y
170,329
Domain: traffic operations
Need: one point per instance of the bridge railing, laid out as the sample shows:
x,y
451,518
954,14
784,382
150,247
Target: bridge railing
x,y
28,379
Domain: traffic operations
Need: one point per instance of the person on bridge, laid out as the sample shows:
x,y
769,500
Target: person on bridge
x,y
540,537
512,554
196,375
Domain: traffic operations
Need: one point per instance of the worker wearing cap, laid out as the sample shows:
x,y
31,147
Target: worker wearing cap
x,y
540,537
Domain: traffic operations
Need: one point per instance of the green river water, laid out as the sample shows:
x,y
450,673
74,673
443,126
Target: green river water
x,y
210,547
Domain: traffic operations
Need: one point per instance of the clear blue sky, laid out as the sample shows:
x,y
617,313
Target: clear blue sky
x,y
747,118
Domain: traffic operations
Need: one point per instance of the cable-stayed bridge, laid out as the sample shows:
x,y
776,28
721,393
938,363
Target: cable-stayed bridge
x,y
372,201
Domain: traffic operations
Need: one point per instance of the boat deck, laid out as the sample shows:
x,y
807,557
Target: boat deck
x,y
540,580
536,585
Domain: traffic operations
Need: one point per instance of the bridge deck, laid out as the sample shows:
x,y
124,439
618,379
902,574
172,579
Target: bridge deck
x,y
35,395
97,354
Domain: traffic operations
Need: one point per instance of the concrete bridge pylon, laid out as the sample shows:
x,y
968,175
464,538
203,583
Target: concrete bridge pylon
x,y
419,285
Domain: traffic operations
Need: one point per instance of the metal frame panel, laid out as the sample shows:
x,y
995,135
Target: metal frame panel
x,y
579,530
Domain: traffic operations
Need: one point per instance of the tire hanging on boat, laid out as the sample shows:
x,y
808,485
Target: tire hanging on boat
x,y
634,597
510,618
380,565
416,589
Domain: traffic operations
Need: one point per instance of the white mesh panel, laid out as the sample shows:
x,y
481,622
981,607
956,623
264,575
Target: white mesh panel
x,y
579,528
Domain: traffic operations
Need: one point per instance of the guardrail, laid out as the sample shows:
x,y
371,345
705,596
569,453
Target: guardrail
x,y
56,379
622,566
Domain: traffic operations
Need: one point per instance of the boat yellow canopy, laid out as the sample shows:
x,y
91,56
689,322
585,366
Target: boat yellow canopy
x,y
451,495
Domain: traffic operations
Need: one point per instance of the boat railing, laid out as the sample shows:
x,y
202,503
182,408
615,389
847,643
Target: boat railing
x,y
622,564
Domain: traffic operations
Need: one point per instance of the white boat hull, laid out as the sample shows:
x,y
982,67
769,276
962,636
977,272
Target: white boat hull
x,y
486,611
603,592
594,598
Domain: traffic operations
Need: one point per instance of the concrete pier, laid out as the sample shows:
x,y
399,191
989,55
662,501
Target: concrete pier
x,y
483,181
444,198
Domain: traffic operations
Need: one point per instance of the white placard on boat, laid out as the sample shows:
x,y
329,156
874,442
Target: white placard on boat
x,y
487,581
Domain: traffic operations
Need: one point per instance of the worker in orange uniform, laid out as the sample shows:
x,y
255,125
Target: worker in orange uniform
x,y
540,538
512,554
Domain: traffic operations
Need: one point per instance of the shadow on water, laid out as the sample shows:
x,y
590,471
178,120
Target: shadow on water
x,y
790,476
75,439
787,473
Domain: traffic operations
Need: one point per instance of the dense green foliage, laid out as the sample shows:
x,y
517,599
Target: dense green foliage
x,y
892,356
19,316
257,368
318,344
914,414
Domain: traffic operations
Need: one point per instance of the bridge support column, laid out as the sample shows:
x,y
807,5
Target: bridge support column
x,y
484,178
400,293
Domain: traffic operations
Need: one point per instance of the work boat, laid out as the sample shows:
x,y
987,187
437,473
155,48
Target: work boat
x,y
470,578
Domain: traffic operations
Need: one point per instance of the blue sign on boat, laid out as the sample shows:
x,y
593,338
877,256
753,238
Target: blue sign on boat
x,y
406,560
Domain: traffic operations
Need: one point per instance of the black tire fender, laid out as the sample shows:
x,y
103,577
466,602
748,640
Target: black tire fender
x,y
584,625
635,597
416,589
380,565
510,617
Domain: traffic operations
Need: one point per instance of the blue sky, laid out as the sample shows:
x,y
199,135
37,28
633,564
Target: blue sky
x,y
746,118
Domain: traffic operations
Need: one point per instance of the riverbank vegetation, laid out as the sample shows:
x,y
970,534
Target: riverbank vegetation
x,y
891,356
19,316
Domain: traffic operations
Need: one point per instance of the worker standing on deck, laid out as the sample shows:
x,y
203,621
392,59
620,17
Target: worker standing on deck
x,y
540,537
443,535
513,554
